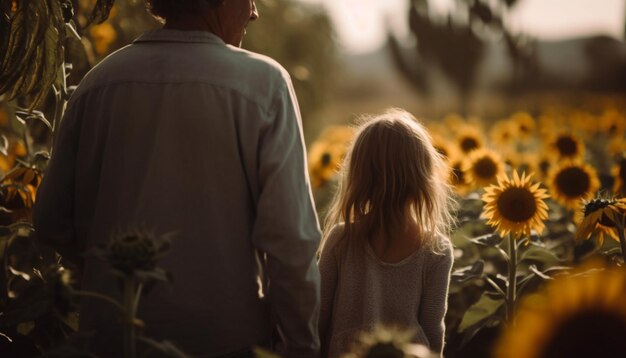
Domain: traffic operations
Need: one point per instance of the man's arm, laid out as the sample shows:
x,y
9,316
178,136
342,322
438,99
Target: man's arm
x,y
286,227
53,215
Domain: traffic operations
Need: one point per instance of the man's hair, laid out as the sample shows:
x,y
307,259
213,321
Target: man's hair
x,y
171,9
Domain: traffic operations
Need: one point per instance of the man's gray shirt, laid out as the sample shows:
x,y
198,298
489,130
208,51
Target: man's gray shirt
x,y
180,133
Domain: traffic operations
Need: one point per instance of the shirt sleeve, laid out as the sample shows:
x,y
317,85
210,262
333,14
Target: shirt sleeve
x,y
286,227
434,300
53,215
329,271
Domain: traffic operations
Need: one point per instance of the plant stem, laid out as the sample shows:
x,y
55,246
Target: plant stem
x,y
130,310
511,288
100,297
60,103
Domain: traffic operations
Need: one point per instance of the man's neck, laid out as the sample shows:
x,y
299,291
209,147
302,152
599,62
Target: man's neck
x,y
187,24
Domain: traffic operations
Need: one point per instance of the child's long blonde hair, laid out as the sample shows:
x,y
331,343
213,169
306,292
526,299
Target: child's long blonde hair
x,y
391,178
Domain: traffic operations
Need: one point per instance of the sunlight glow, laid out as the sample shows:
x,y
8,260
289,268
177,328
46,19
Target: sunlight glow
x,y
362,24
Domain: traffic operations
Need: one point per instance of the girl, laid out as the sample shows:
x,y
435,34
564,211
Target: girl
x,y
385,257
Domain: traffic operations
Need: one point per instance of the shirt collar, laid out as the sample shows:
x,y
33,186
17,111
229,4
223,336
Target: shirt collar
x,y
171,35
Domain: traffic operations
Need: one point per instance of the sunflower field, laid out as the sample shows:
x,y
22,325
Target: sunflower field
x,y
539,195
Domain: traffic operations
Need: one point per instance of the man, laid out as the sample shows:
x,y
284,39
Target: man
x,y
184,132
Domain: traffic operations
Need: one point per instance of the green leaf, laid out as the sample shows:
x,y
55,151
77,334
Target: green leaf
x,y
468,272
164,347
487,312
495,286
26,117
480,311
71,32
4,145
612,252
32,50
466,276
541,255
540,274
487,240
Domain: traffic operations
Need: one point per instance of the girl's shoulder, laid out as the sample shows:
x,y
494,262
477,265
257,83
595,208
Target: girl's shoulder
x,y
333,238
440,249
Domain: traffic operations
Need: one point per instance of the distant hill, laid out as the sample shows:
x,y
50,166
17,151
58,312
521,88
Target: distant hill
x,y
371,82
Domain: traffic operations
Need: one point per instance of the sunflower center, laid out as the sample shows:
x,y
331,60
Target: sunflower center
x,y
567,146
524,129
468,144
597,204
517,204
325,159
544,166
591,333
386,349
573,182
457,173
485,168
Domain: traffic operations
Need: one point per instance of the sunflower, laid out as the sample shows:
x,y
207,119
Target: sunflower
x,y
103,35
444,147
579,315
16,150
539,163
616,146
613,123
337,134
326,154
503,134
458,180
619,175
571,182
525,124
527,162
566,146
437,129
469,138
599,215
483,167
583,122
515,205
454,121
324,159
387,342
548,125
516,160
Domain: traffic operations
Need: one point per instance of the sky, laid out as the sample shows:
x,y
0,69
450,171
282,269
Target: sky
x,y
361,24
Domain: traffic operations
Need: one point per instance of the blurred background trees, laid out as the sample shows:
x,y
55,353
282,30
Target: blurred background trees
x,y
470,43
457,43
301,38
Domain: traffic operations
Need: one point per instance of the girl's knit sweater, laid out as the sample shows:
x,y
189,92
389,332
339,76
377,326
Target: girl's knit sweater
x,y
359,292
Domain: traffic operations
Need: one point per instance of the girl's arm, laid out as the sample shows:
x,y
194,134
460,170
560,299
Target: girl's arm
x,y
329,270
435,298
